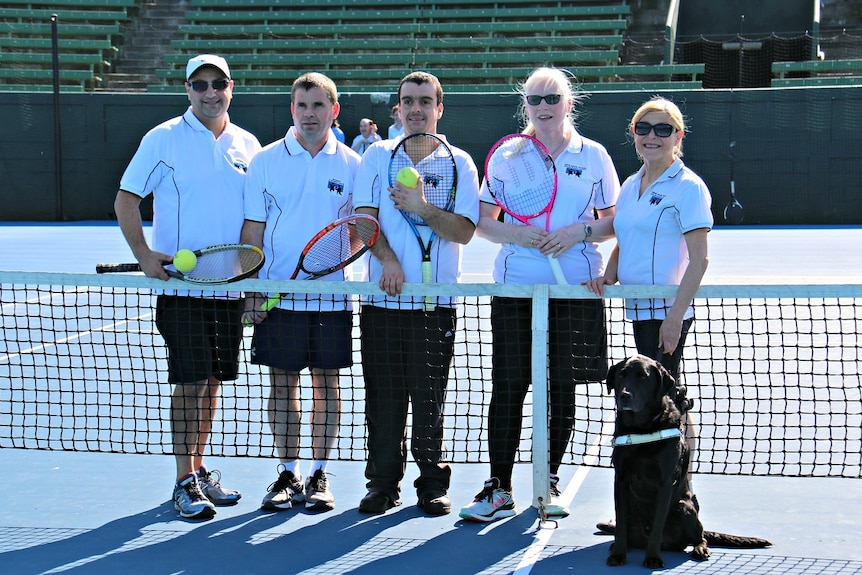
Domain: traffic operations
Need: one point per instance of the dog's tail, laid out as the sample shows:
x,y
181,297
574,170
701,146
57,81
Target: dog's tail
x,y
717,539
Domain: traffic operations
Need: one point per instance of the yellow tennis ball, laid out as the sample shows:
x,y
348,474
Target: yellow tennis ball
x,y
185,261
408,177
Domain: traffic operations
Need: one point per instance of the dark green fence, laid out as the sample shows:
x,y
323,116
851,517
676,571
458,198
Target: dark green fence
x,y
798,152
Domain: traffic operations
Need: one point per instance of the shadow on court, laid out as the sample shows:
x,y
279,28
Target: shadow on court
x,y
156,542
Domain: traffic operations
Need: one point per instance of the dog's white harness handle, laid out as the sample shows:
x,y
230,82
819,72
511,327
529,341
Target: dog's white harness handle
x,y
638,438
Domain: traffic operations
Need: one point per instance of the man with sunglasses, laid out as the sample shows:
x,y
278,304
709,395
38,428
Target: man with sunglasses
x,y
194,166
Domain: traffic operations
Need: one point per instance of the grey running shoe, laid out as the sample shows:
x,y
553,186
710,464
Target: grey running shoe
x,y
317,494
190,501
284,492
491,504
214,491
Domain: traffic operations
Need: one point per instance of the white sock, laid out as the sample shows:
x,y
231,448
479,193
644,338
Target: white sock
x,y
292,466
315,465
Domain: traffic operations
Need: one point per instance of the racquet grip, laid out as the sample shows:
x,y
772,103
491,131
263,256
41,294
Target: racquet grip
x,y
426,278
271,302
558,271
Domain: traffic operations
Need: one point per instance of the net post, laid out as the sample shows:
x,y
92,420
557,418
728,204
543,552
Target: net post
x,y
539,362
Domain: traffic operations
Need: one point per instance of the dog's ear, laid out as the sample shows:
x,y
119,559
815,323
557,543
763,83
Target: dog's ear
x,y
666,381
612,374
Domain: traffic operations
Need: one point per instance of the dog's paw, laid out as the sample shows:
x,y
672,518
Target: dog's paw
x,y
653,563
700,552
616,560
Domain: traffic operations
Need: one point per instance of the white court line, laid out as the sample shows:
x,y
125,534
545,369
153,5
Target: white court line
x,y
78,335
531,555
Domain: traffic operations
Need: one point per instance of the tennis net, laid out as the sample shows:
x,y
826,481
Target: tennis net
x,y
774,371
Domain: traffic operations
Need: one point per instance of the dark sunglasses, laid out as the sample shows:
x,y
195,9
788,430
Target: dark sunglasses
x,y
217,85
661,130
551,99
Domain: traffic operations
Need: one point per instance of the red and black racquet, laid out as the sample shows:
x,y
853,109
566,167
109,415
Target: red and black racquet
x,y
334,247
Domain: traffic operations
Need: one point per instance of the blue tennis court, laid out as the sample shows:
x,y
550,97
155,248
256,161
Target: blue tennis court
x,y
83,512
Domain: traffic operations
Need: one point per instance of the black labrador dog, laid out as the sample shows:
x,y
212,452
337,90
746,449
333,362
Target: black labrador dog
x,y
655,508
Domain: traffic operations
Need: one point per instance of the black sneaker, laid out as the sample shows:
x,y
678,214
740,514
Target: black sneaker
x,y
435,502
377,502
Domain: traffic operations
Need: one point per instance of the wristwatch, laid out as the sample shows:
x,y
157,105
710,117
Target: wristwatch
x,y
588,231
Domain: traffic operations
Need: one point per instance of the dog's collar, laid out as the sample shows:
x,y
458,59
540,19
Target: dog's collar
x,y
638,438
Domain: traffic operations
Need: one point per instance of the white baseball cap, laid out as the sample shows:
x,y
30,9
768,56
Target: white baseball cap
x,y
207,60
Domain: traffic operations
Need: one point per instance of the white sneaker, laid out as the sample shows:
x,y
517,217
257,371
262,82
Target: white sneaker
x,y
283,492
491,504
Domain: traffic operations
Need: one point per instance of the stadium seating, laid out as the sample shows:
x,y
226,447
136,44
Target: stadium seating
x,y
88,34
367,45
817,73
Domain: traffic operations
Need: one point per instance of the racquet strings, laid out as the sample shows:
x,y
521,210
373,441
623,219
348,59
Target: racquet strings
x,y
520,175
225,263
338,245
435,165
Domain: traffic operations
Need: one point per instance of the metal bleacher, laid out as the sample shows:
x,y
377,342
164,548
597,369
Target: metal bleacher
x,y
368,45
88,34
844,72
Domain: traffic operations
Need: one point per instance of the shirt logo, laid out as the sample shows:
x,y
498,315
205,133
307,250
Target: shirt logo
x,y
655,199
336,186
433,180
574,170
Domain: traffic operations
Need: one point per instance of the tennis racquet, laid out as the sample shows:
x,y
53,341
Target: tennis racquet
x,y
221,264
435,163
733,212
522,179
334,247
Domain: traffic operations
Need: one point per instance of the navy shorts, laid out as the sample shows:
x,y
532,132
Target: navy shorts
x,y
202,335
294,340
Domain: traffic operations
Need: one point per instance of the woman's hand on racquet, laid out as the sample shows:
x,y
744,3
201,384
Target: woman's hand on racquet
x,y
556,242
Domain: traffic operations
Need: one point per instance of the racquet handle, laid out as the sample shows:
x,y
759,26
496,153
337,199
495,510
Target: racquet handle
x,y
271,302
426,278
558,271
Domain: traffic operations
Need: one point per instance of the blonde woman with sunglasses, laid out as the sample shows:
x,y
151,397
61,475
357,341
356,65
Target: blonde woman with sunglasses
x,y
662,220
581,217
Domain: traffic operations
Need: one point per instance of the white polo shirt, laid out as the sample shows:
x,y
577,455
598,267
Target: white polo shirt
x,y
586,181
297,195
372,191
650,231
196,181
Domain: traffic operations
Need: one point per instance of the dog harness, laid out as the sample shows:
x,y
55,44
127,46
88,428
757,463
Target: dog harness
x,y
639,438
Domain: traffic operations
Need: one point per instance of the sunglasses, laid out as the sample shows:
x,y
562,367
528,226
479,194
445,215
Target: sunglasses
x,y
202,86
551,99
661,130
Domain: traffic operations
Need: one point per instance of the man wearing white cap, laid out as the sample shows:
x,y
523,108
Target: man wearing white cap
x,y
194,166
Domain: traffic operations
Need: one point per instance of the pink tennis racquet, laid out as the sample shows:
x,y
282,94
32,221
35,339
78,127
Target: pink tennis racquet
x,y
522,179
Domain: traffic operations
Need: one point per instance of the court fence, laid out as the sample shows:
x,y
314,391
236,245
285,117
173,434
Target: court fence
x,y
774,371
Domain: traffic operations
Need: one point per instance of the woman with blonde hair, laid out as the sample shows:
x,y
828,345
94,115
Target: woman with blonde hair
x,y
580,218
662,220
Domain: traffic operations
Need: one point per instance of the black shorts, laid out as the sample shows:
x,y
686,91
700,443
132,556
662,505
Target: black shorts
x,y
577,339
203,337
294,340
